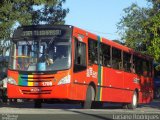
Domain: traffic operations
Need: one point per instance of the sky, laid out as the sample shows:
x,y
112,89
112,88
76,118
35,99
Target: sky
x,y
98,16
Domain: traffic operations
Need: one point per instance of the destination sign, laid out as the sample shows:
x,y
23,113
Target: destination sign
x,y
42,33
38,31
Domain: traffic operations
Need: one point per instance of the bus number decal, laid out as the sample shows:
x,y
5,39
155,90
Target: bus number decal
x,y
136,80
91,73
47,83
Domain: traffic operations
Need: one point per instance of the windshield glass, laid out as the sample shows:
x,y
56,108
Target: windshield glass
x,y
41,54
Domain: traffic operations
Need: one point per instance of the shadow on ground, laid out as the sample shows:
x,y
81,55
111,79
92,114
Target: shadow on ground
x,y
30,104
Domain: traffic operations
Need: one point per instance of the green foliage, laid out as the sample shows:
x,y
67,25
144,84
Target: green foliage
x,y
153,25
27,12
140,28
157,67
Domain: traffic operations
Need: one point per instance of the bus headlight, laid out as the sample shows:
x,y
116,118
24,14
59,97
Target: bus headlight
x,y
10,80
65,80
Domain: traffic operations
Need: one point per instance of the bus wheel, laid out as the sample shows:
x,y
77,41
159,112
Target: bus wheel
x,y
134,103
90,95
37,103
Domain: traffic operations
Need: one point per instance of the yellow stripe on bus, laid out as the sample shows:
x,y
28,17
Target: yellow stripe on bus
x,y
30,76
101,83
30,83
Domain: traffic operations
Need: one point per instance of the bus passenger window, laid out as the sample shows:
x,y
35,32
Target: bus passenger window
x,y
92,51
138,62
79,56
150,69
116,59
127,62
146,68
105,55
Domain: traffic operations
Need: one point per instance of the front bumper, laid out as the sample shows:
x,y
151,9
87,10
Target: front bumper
x,y
53,92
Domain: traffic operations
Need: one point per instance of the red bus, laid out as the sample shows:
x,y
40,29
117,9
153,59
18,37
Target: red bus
x,y
66,63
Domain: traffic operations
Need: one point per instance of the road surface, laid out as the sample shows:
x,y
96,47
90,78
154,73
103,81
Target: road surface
x,y
26,111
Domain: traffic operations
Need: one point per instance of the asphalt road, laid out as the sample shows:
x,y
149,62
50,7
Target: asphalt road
x,y
26,111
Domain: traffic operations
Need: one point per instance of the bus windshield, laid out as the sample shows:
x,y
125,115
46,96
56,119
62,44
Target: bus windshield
x,y
41,54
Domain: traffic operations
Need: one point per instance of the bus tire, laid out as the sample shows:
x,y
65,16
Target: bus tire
x,y
37,103
134,103
90,95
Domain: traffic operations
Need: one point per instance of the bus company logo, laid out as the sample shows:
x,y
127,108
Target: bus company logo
x,y
35,90
136,80
91,73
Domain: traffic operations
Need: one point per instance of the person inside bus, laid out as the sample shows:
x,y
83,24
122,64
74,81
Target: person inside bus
x,y
49,60
46,58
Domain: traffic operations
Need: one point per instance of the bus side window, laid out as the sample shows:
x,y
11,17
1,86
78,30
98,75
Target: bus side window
x,y
92,51
142,66
146,68
105,55
127,62
150,69
79,56
138,62
116,59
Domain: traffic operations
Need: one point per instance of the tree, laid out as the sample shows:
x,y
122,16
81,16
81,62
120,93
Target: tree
x,y
152,26
140,28
29,12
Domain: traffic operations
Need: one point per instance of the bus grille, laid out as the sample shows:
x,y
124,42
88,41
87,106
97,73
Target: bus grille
x,y
35,80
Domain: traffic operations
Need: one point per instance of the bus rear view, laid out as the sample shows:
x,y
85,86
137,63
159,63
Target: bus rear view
x,y
40,61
